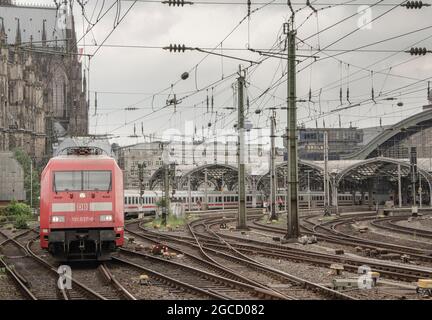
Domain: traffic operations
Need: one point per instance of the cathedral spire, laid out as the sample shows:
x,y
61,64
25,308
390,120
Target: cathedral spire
x,y
44,36
84,82
71,35
3,35
18,34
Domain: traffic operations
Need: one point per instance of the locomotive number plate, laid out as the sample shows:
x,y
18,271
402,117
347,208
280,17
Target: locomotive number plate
x,y
82,219
82,206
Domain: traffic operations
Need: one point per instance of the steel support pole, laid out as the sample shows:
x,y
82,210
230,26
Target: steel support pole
x,y
420,190
292,165
326,176
189,194
223,195
254,193
241,222
31,184
413,162
308,188
430,193
335,196
166,191
205,204
399,186
273,181
286,190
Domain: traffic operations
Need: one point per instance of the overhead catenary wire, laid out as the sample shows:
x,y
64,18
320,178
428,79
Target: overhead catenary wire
x,y
321,89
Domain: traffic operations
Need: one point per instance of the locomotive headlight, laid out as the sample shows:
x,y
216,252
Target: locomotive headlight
x,y
57,219
106,217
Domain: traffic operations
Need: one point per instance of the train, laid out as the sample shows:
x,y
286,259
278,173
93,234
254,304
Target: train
x,y
135,204
82,207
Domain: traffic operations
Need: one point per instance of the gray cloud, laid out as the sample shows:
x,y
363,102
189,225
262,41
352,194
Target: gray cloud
x,y
150,70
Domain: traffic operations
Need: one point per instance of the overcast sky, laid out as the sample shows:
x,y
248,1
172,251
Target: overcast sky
x,y
134,75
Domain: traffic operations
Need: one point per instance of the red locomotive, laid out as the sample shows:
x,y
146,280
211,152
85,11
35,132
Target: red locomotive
x,y
81,207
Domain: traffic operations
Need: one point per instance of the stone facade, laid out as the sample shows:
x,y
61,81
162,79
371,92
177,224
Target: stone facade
x,y
12,179
42,89
130,156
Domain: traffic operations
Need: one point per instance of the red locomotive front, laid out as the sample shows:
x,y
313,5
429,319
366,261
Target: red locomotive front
x,y
81,207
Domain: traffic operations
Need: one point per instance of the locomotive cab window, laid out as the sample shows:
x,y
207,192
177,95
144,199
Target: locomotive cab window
x,y
82,181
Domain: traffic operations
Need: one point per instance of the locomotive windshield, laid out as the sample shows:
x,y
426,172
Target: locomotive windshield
x,y
82,181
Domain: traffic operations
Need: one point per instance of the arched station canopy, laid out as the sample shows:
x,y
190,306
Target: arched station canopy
x,y
378,167
219,175
309,173
391,139
157,179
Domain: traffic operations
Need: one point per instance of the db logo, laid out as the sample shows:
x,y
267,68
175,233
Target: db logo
x,y
82,206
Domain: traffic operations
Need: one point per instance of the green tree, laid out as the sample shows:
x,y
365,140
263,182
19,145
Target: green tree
x,y
18,209
161,202
19,213
21,222
25,161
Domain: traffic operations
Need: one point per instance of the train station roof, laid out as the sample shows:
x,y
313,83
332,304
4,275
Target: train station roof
x,y
398,131
353,171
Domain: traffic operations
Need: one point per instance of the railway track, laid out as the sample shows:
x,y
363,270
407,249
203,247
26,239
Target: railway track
x,y
387,269
327,231
244,259
102,281
97,277
239,264
391,225
35,277
193,279
417,250
155,287
193,253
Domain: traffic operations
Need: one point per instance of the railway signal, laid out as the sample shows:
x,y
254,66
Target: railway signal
x,y
141,168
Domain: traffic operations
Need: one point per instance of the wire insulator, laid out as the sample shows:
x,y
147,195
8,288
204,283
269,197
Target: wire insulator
x,y
418,51
415,5
175,48
177,3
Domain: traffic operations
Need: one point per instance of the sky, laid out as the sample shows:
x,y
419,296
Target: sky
x,y
143,79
